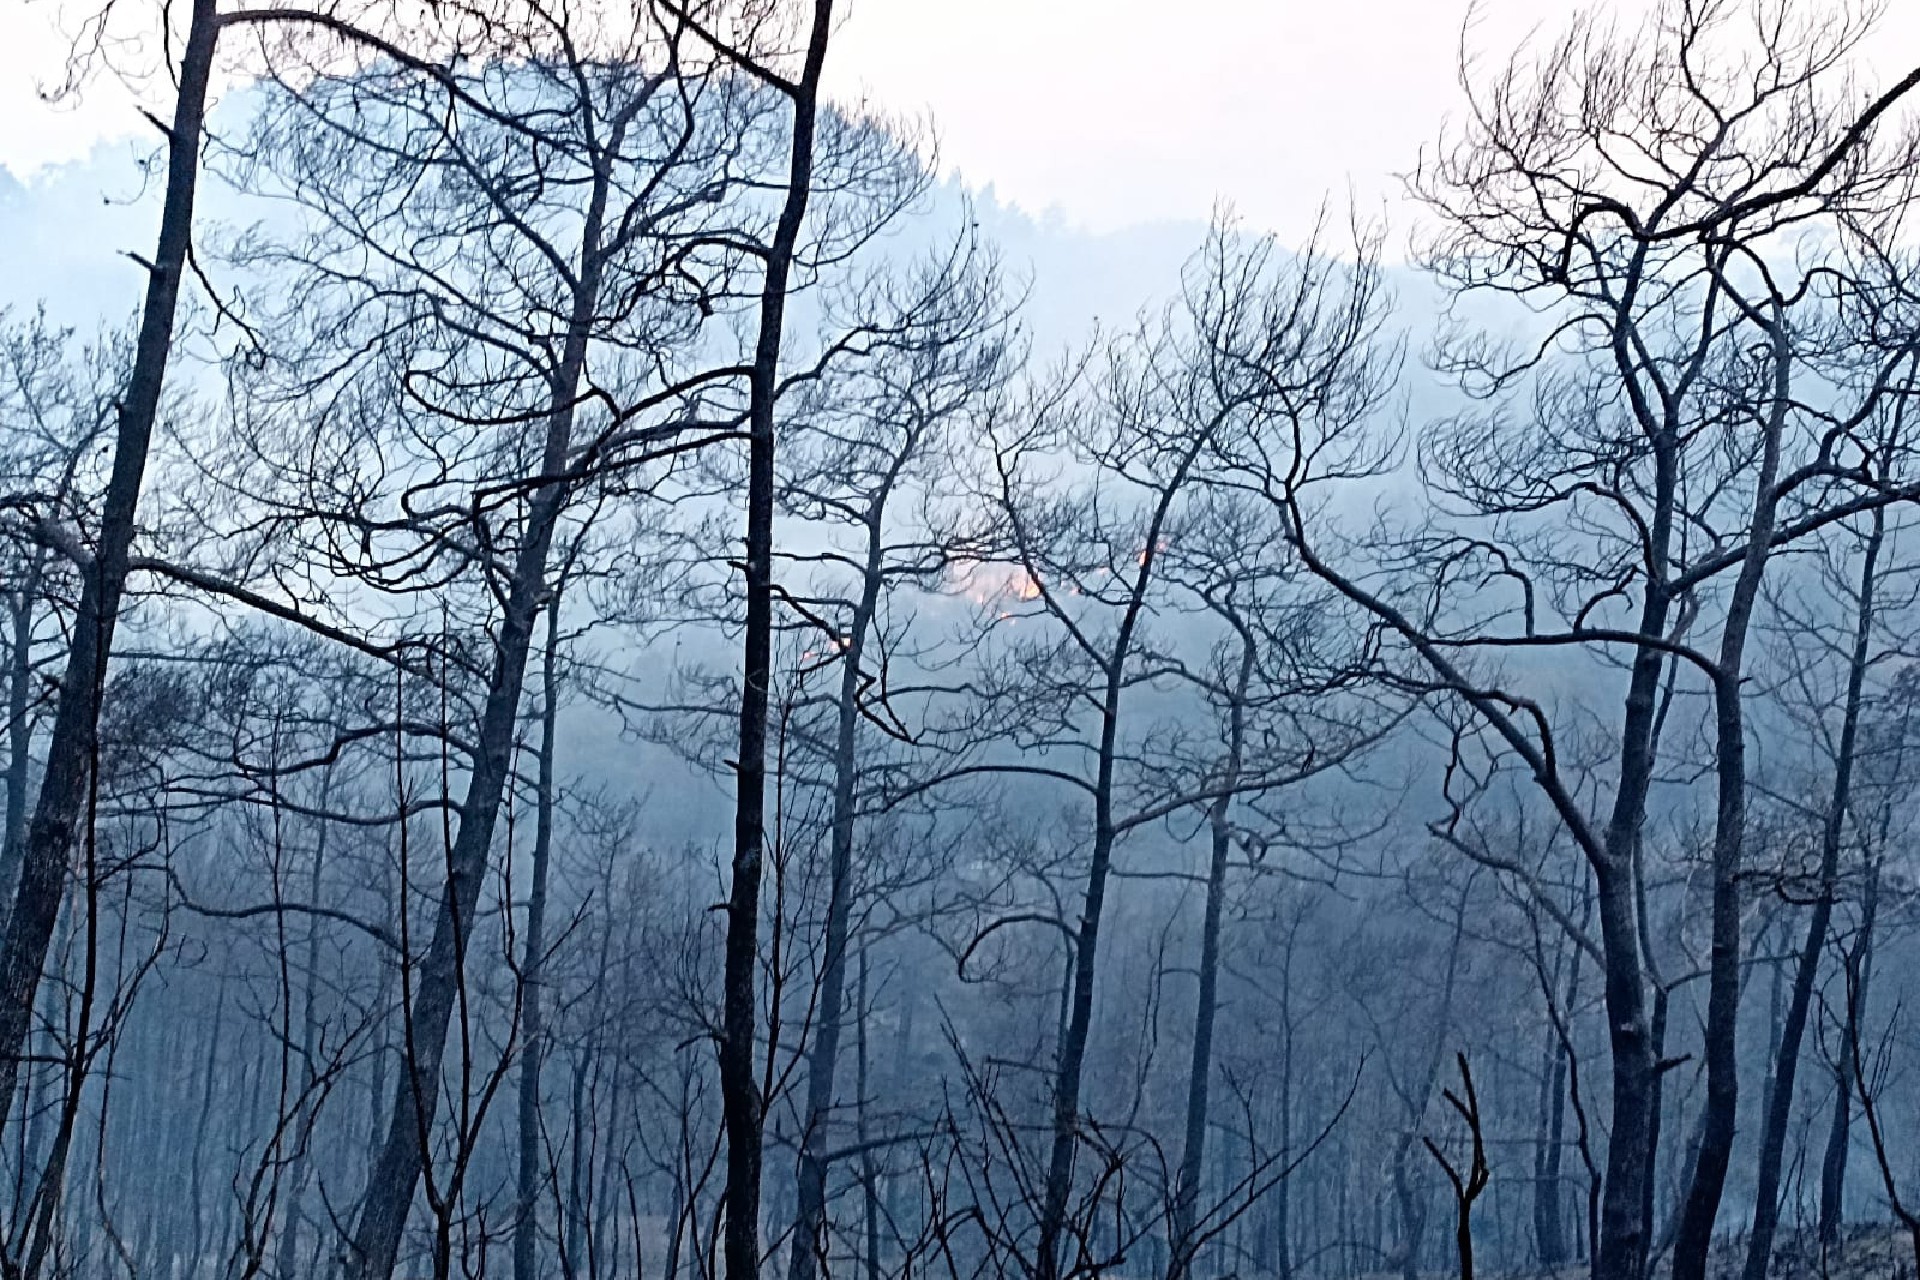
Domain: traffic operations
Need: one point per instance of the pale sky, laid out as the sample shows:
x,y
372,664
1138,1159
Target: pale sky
x,y
1109,113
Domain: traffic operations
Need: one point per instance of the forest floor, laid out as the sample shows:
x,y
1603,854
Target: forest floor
x,y
1868,1252
1871,1252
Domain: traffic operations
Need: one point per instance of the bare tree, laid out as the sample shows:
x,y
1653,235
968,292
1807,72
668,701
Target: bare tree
x,y
72,747
880,440
1669,319
599,177
1859,660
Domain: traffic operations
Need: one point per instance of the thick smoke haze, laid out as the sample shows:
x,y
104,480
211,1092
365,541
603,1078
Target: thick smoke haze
x,y
716,639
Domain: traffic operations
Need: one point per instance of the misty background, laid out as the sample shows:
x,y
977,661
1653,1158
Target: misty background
x,y
695,640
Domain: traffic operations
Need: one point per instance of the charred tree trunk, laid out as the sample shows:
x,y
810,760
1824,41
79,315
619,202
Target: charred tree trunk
x,y
1833,1166
13,837
1282,1208
574,1239
810,1216
1662,1003
1084,946
1082,961
1620,1253
742,1106
869,1167
72,747
1773,1136
1548,1231
1729,840
308,1112
401,1159
526,1224
1200,1068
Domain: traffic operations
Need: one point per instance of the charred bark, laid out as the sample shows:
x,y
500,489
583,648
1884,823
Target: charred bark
x,y
73,745
743,1108
526,1223
1773,1136
1200,1066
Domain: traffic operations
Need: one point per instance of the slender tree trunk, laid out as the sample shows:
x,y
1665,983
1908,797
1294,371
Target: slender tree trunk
x,y
526,1225
1833,1163
1411,1207
1621,1251
603,1239
1283,1192
1773,1137
1409,1202
51,1195
389,974
1083,960
401,1159
1225,1244
1549,1236
196,1193
1200,1066
1695,1238
72,747
1661,993
1833,1167
1071,1060
308,1107
13,837
1662,1002
577,1165
810,1216
742,1106
869,1167
587,1064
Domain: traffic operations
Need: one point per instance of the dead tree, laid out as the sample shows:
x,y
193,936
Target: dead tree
x,y
1667,308
1281,681
55,403
72,745
1091,562
104,559
532,1031
602,178
1470,1181
743,1105
880,438
1870,1069
1859,660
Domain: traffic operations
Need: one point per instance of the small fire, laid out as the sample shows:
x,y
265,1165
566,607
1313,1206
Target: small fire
x,y
839,646
985,583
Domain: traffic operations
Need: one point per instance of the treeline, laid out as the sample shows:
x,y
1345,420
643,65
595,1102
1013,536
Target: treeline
x,y
585,700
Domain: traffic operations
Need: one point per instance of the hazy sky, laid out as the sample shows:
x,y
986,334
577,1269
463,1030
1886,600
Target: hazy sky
x,y
1110,112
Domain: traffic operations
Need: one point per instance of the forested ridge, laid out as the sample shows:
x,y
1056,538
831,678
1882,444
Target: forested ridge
x,y
601,683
